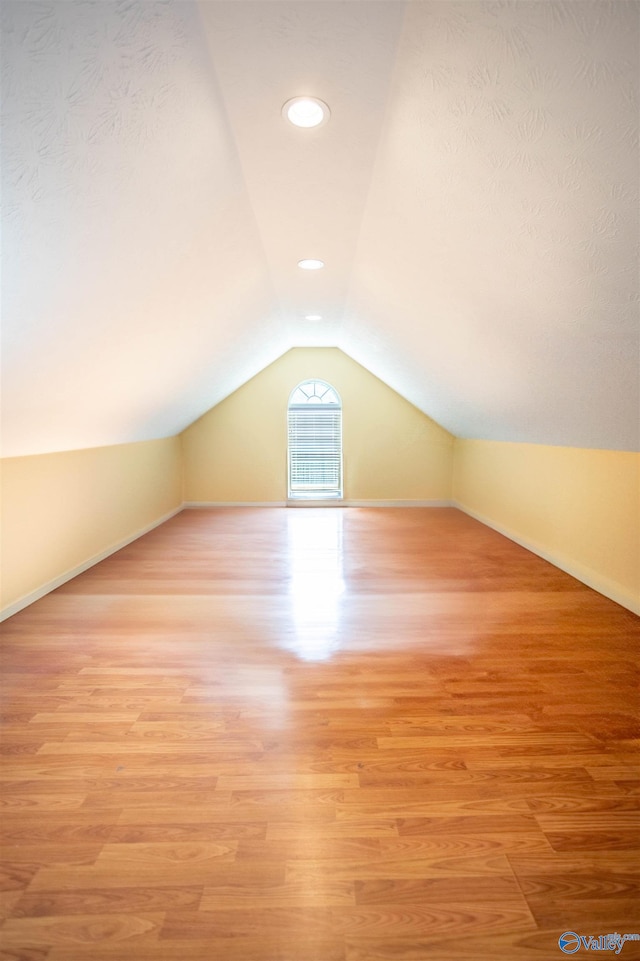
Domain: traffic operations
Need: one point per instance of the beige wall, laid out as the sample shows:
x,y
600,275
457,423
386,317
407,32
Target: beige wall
x,y
61,510
237,452
578,508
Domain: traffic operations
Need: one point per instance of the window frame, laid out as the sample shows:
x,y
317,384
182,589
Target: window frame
x,y
333,405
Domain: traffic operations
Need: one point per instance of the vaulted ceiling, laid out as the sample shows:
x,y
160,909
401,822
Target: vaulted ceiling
x,y
474,198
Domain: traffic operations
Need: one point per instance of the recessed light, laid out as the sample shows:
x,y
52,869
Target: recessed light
x,y
311,264
306,111
313,317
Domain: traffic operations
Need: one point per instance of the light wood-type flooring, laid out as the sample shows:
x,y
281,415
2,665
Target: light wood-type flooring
x,y
319,735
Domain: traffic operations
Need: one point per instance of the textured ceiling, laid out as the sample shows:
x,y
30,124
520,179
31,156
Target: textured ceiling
x,y
474,197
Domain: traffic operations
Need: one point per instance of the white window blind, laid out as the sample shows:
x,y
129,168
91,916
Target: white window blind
x,y
315,441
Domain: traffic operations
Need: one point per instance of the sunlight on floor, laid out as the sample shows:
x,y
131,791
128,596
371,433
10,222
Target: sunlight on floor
x,y
316,583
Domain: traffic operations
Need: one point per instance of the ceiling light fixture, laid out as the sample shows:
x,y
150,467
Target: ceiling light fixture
x,y
311,264
306,111
313,317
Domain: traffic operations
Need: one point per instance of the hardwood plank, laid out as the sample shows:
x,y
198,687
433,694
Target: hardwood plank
x,y
460,842
576,865
198,949
605,915
454,919
34,904
144,747
511,824
391,920
21,953
534,761
174,852
396,891
105,874
80,929
621,772
540,945
124,781
483,788
610,838
594,804
315,892
502,744
311,831
42,801
29,826
286,782
105,717
312,846
590,822
64,853
399,776
199,830
446,807
478,866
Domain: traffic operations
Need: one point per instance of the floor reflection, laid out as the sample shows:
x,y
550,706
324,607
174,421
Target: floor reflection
x,y
316,583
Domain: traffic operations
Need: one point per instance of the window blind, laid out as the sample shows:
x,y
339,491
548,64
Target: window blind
x,y
315,450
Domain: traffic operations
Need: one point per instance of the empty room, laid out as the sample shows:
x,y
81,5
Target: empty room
x,y
320,505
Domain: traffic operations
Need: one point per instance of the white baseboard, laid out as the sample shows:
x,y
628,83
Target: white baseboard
x,y
191,505
396,503
33,596
583,574
328,502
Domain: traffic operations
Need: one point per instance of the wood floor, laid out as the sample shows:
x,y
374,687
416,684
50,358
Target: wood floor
x,y
319,735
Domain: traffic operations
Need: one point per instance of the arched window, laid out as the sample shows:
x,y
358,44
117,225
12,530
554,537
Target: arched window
x,y
315,441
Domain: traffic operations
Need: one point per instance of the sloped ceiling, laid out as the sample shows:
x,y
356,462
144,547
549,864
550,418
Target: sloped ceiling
x,y
474,198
